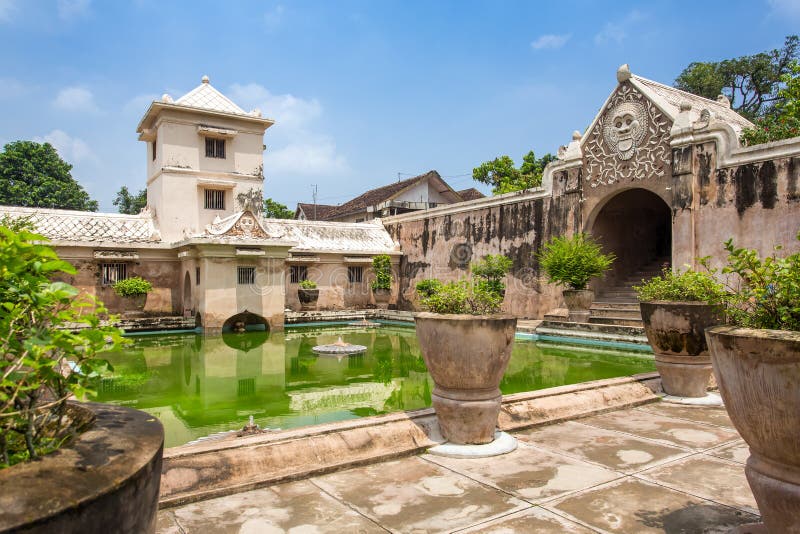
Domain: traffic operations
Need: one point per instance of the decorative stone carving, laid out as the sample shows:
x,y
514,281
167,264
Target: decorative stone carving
x,y
629,142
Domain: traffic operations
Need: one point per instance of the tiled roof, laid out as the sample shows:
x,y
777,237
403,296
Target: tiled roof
x,y
322,211
204,96
86,226
377,195
670,100
319,236
470,194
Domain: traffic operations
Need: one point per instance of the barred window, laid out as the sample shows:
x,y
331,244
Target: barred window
x,y
154,150
246,276
355,275
298,273
215,199
197,276
113,272
215,148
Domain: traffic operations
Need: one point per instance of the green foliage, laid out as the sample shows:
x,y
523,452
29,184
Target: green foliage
x,y
132,287
276,210
504,177
751,83
33,175
686,286
307,284
382,267
427,287
130,204
785,121
43,360
573,261
765,292
465,296
491,270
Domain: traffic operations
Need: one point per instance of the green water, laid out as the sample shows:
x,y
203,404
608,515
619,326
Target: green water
x,y
198,385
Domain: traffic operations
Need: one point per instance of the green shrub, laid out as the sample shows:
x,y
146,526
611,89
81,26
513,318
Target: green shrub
x,y
132,287
573,261
688,286
382,267
307,284
765,292
427,287
491,270
40,347
464,296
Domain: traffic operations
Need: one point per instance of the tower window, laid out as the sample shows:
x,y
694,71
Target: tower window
x,y
215,199
154,149
246,276
215,148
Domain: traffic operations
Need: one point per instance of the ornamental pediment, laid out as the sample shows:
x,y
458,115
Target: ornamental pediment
x,y
242,225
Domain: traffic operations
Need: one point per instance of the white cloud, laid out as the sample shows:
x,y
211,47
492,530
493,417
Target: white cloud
x,y
7,7
289,111
139,103
305,158
10,88
72,9
71,149
274,18
550,40
616,32
75,99
785,8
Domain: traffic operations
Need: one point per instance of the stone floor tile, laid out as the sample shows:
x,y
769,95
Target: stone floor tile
x,y
292,507
710,478
633,505
700,414
535,519
530,473
166,523
609,448
667,430
737,452
413,495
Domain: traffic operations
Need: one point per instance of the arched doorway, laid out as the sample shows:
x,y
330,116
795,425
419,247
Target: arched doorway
x,y
636,225
187,293
245,320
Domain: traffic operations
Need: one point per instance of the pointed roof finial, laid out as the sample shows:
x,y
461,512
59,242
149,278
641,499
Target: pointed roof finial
x,y
576,135
204,79
623,73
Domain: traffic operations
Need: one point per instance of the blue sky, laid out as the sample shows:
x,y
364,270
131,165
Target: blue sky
x,y
360,90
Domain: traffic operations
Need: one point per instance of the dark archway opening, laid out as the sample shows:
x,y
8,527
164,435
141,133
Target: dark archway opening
x,y
636,225
245,321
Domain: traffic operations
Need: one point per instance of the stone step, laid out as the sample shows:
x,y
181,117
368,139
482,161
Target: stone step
x,y
617,321
627,313
629,296
620,305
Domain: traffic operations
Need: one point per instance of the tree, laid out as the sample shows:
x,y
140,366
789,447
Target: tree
x,y
130,204
504,177
33,175
751,83
784,122
276,210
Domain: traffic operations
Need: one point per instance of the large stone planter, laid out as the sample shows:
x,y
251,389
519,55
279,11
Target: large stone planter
x,y
308,298
758,374
382,297
106,480
676,331
578,302
466,356
133,306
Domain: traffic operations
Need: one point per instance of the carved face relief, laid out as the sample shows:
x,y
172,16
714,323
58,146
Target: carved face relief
x,y
624,127
247,224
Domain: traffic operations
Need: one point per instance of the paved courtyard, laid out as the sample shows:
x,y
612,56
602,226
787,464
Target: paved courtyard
x,y
656,468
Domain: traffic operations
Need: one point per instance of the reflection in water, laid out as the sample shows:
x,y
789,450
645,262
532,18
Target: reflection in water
x,y
200,385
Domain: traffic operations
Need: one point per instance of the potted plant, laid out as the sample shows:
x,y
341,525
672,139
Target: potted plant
x,y
65,466
308,294
134,291
466,344
572,262
382,285
756,360
676,310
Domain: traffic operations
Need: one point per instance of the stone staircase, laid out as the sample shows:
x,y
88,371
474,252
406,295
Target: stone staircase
x,y
618,305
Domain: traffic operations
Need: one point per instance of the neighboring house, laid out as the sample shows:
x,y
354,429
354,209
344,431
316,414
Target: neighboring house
x,y
313,212
421,192
471,194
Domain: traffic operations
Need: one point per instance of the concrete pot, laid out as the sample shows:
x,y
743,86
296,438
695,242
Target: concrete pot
x,y
578,302
106,480
676,331
134,305
382,297
466,356
758,374
308,298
